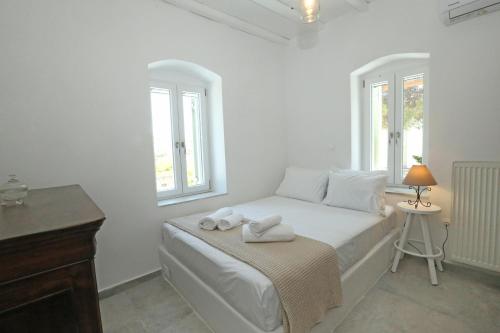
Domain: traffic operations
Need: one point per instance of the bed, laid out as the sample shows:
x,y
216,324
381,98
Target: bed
x,y
231,296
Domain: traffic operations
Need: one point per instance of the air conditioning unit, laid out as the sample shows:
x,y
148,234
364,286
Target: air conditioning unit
x,y
454,11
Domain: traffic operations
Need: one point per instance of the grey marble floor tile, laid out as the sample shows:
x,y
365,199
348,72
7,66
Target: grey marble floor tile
x,y
151,293
189,324
131,326
165,315
116,311
403,302
457,295
384,312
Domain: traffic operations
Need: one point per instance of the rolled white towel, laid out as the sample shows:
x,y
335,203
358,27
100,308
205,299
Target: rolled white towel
x,y
230,222
278,233
209,222
259,226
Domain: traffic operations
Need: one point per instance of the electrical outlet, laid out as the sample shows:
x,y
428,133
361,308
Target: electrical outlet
x,y
446,220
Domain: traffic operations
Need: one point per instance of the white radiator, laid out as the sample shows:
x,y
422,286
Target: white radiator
x,y
476,214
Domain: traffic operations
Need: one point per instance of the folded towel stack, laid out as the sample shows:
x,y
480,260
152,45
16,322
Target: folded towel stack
x,y
279,233
210,222
260,226
267,229
230,222
223,219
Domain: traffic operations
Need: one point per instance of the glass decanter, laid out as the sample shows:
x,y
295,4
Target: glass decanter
x,y
13,192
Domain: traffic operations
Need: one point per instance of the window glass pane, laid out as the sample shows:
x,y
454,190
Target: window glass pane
x,y
413,121
379,125
162,136
193,138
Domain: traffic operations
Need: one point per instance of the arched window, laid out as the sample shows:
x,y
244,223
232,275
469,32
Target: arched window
x,y
185,102
390,115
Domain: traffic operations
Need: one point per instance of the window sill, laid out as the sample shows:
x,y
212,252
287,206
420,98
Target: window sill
x,y
403,191
189,198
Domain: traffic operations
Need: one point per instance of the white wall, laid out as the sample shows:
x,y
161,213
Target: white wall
x,y
464,86
74,102
74,109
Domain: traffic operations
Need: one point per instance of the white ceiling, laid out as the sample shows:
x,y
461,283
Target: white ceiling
x,y
275,20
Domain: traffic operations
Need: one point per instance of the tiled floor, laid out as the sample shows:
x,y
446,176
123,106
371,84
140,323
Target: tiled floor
x,y
464,301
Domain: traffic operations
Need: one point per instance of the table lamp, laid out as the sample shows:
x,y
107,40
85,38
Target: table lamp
x,y
419,176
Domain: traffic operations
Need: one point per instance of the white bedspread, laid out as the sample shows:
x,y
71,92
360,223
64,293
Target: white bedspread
x,y
352,233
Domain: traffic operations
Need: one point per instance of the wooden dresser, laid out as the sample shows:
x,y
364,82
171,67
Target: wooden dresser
x,y
47,275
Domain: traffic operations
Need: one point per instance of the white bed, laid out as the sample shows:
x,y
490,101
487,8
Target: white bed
x,y
246,291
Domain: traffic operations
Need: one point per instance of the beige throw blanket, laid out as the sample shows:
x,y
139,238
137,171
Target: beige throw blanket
x,y
304,272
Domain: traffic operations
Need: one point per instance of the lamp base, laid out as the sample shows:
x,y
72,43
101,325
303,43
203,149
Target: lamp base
x,y
418,201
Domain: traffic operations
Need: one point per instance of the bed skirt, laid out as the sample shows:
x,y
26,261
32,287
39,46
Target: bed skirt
x,y
223,318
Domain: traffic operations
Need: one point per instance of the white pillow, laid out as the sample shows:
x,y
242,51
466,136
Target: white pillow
x,y
304,184
358,190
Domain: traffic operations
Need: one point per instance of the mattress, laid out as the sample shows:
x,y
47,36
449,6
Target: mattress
x,y
252,294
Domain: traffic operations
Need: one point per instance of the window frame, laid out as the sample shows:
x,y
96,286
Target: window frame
x,y
202,92
394,76
368,120
400,75
178,139
177,191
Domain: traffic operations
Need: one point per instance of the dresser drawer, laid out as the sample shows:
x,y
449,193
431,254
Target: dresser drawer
x,y
32,255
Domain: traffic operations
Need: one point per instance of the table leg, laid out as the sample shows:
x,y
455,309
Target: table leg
x,y
428,249
402,242
439,265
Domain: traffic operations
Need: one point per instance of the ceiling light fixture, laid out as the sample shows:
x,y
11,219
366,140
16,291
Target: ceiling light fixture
x,y
309,10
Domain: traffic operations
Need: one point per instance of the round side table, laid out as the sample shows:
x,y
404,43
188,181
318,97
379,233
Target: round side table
x,y
432,254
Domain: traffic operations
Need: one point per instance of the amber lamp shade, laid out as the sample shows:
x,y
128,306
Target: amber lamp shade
x,y
419,176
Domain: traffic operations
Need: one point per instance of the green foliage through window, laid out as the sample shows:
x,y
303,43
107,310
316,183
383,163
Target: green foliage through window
x,y
414,108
